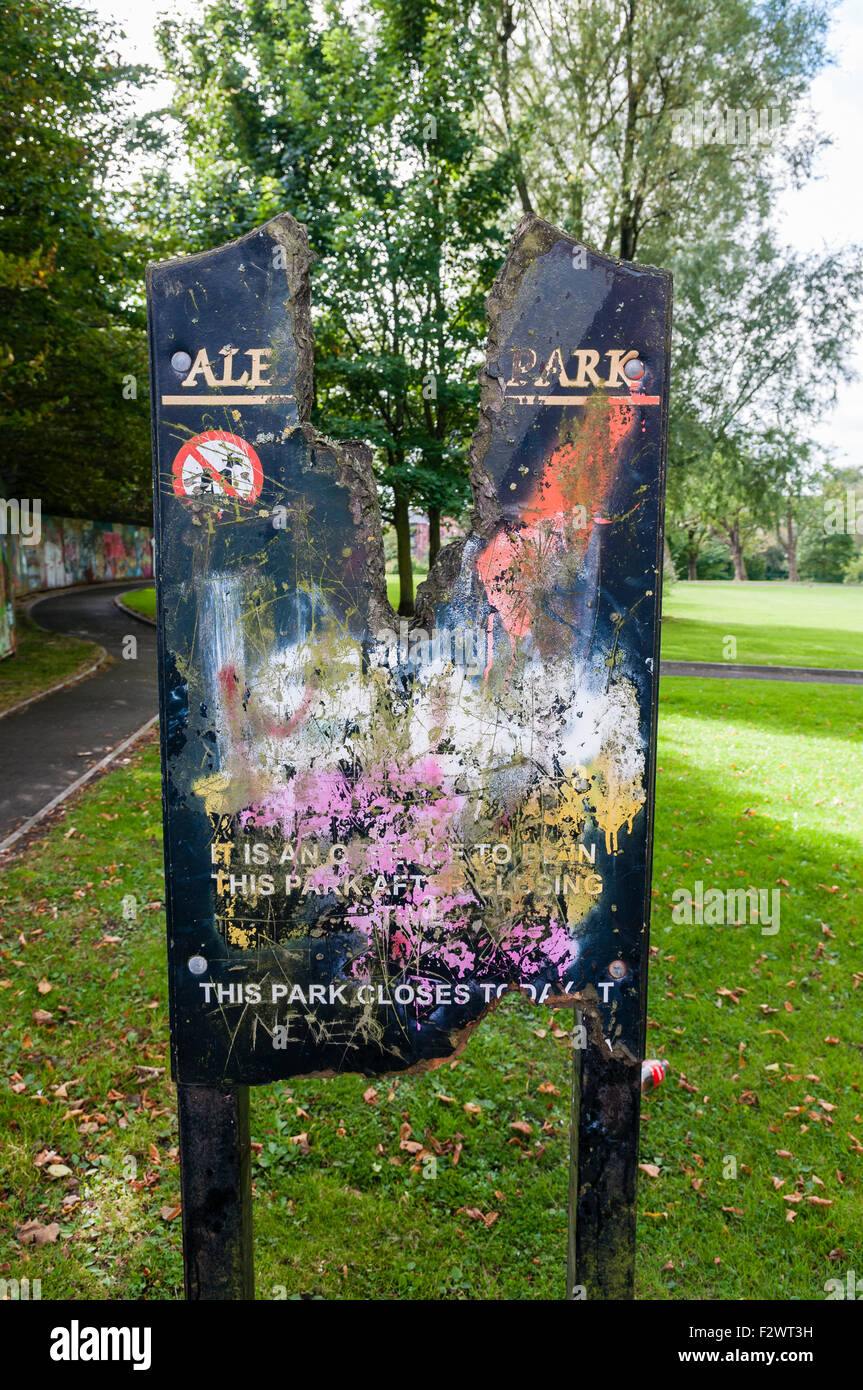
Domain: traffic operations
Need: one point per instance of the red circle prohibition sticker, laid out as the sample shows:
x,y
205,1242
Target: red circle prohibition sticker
x,y
218,464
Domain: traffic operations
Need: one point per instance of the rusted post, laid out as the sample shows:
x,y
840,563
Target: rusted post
x,y
606,1103
215,1174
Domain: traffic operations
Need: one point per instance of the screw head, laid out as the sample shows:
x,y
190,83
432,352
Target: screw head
x,y
181,362
617,969
633,370
197,965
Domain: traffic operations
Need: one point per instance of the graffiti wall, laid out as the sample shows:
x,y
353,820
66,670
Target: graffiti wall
x,y
76,551
7,612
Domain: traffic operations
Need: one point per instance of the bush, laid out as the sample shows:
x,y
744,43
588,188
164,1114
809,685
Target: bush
x,y
853,572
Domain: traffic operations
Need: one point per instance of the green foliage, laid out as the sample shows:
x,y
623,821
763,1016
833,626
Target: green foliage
x,y
824,559
853,573
69,334
592,101
364,128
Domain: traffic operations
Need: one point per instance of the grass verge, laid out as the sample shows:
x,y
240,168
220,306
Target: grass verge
x,y
43,659
760,1117
142,601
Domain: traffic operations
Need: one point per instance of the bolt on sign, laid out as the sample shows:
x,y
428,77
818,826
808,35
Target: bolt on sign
x,y
373,830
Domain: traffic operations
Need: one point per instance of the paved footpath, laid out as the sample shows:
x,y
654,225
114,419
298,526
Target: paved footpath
x,y
47,746
727,670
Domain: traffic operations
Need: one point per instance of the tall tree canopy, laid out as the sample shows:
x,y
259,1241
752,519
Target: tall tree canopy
x,y
73,422
363,124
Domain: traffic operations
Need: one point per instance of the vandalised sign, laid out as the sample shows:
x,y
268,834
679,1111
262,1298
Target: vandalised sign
x,y
373,828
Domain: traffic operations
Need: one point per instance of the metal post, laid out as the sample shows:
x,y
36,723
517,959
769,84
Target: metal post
x,y
604,1118
215,1175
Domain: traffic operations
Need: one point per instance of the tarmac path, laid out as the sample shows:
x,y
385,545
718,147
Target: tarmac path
x,y
45,747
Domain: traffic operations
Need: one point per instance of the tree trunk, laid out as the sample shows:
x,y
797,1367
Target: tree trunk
x,y
791,548
740,575
402,524
434,533
692,556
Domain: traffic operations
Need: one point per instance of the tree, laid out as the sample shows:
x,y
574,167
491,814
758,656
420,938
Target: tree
x,y
762,339
364,129
74,423
602,106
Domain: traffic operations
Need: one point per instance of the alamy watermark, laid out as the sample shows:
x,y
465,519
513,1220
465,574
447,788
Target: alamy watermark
x,y
696,126
849,1287
21,518
843,515
465,647
735,907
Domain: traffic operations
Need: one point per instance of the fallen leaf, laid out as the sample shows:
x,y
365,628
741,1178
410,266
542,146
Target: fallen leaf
x,y
370,1095
44,987
42,1016
651,1169
34,1233
169,1211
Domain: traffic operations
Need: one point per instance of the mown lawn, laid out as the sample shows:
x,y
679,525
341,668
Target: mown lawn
x,y
43,659
759,786
142,600
768,624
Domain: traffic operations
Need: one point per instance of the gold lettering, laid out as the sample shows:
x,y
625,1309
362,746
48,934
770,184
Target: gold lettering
x,y
588,360
618,359
521,364
200,364
227,371
554,364
259,366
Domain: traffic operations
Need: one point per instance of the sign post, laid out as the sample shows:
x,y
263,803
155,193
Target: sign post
x,y
373,830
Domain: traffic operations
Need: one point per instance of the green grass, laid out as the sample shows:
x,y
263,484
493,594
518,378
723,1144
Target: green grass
x,y
771,624
758,784
142,600
43,659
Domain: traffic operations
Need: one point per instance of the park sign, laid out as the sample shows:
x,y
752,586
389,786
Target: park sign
x,y
374,829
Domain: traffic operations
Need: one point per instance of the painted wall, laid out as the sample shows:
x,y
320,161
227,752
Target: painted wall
x,y
75,551
7,612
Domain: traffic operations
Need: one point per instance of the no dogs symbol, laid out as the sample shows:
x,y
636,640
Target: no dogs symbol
x,y
218,464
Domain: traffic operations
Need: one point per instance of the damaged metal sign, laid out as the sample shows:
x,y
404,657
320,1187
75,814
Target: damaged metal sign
x,y
373,829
